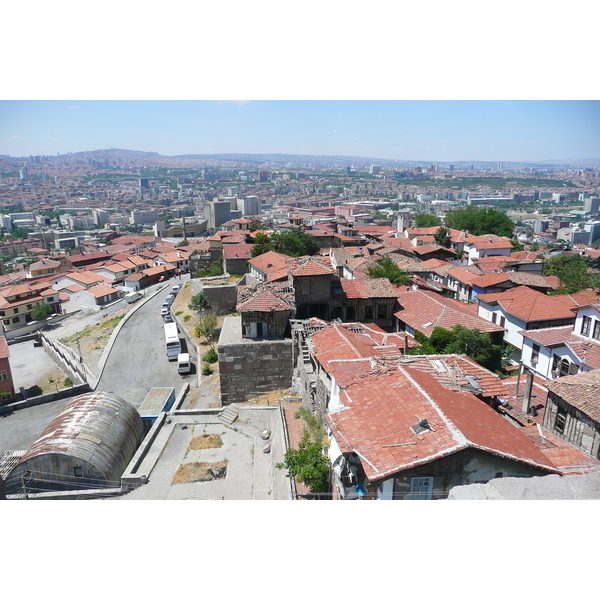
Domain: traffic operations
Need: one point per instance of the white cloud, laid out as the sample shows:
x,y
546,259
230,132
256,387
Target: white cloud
x,y
12,138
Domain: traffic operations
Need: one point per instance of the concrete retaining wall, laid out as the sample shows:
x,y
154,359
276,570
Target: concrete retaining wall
x,y
222,298
76,390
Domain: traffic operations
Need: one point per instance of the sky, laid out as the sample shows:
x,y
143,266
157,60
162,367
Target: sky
x,y
436,130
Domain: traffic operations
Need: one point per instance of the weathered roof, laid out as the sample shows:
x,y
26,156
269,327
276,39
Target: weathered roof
x,y
382,405
581,391
424,310
99,428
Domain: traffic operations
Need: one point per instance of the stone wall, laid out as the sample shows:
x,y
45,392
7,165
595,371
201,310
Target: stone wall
x,y
249,368
222,298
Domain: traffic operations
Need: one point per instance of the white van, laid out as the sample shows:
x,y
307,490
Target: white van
x,y
132,297
183,363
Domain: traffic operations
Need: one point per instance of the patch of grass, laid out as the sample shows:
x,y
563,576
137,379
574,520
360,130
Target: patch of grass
x,y
202,442
200,471
186,318
179,312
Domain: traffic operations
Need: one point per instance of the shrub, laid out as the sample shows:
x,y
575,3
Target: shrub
x,y
211,356
206,370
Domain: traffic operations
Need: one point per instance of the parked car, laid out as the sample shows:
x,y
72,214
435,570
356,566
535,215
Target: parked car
x,y
168,318
176,288
164,311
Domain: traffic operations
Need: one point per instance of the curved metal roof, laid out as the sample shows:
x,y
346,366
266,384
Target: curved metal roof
x,y
101,429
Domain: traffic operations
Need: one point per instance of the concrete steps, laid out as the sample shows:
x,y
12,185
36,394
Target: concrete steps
x,y
229,415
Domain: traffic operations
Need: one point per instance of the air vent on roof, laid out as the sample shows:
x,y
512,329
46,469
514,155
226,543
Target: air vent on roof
x,y
427,324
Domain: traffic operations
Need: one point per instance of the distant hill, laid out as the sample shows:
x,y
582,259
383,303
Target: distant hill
x,y
278,159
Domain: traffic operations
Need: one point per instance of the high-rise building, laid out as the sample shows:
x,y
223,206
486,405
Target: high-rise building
x,y
591,205
220,212
500,167
23,173
100,217
263,176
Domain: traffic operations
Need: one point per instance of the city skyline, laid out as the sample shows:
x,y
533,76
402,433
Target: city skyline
x,y
429,130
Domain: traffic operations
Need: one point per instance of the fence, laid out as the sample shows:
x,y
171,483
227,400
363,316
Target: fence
x,y
72,363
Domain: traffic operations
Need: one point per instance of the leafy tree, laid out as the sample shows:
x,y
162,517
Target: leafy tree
x,y
387,269
573,273
480,221
199,303
41,311
460,340
294,242
441,236
207,328
308,464
534,247
262,244
425,220
517,246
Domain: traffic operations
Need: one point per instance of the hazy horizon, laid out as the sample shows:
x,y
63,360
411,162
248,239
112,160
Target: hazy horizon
x,y
402,130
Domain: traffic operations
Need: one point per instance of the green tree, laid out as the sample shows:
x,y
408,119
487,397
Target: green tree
x,y
480,221
387,269
441,236
308,464
425,220
199,303
41,311
573,272
517,246
294,242
459,340
207,328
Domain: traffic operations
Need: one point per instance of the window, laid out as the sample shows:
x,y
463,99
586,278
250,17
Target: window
x,y
502,321
564,367
3,375
16,310
420,488
2,313
555,363
78,471
15,319
585,326
494,317
596,334
368,313
30,307
6,321
535,354
381,311
560,420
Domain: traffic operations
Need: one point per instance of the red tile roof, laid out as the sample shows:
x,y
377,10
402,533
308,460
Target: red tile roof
x,y
424,310
309,266
380,408
530,305
231,251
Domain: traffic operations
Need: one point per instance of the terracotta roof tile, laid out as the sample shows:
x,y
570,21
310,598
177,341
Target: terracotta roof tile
x,y
581,391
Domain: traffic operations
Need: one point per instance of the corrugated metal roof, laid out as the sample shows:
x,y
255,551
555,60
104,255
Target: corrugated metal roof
x,y
96,427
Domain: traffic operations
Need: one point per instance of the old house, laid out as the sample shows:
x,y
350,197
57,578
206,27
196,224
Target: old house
x,y
573,410
523,308
559,351
266,310
423,311
7,386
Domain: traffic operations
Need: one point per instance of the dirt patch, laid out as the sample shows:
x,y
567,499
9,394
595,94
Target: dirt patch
x,y
51,381
200,471
271,397
202,442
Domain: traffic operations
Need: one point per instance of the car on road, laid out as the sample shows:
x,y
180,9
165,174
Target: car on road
x,y
176,288
164,311
168,318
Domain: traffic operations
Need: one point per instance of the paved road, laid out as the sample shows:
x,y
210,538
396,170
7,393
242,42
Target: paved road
x,y
138,359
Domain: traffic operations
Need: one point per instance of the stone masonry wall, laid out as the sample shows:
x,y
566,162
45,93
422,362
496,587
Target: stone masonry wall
x,y
222,298
253,368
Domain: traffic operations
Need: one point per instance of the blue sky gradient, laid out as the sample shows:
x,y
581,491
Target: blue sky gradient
x,y
436,130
